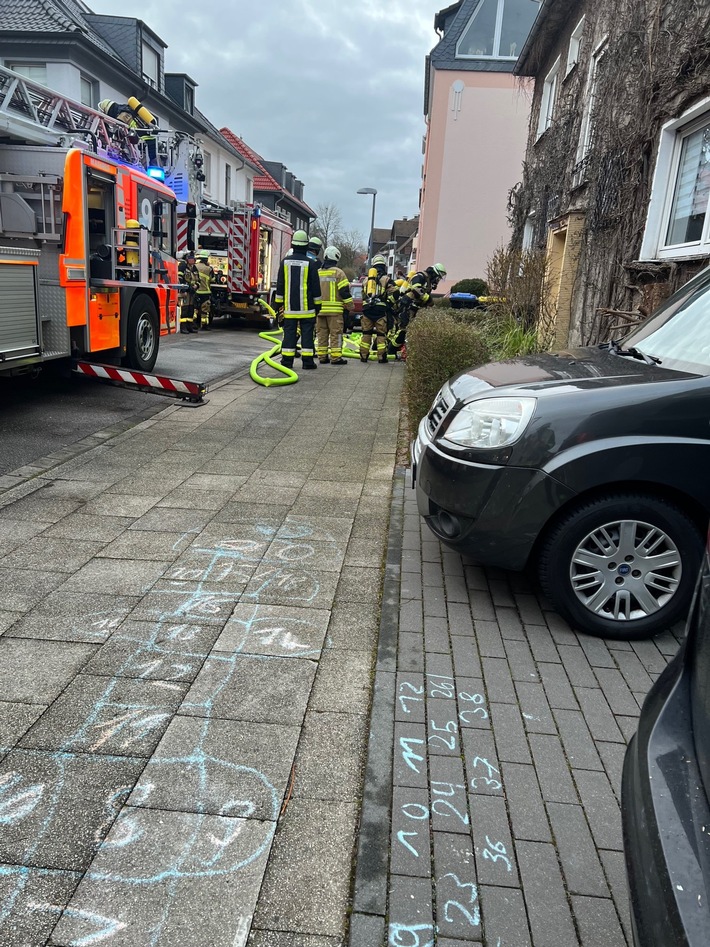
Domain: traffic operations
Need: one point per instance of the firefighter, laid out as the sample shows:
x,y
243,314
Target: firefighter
x,y
415,294
298,297
378,297
337,299
315,245
191,278
139,120
203,304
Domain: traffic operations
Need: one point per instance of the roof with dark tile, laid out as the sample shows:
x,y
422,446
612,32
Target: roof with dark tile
x,y
50,16
263,181
443,55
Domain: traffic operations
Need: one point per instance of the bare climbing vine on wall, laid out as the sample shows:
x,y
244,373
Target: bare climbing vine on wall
x,y
655,65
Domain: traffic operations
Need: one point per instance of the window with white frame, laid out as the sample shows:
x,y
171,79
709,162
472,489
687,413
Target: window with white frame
x,y
549,97
575,45
678,221
587,129
151,66
36,71
227,183
497,29
207,169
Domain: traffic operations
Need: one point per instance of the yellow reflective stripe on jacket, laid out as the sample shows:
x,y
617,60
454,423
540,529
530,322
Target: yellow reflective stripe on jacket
x,y
296,270
332,281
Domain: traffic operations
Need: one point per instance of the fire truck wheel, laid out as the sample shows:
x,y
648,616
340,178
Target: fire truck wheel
x,y
143,334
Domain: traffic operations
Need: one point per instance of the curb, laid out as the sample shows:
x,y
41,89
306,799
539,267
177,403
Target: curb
x,y
367,921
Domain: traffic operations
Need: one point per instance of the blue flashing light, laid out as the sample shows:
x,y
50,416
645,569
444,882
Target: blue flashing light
x,y
257,211
157,173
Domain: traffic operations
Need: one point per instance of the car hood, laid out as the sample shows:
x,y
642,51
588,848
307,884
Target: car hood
x,y
578,368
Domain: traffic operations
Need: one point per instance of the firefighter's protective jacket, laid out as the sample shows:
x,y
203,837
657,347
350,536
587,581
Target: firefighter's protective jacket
x,y
298,286
205,273
334,290
379,291
418,289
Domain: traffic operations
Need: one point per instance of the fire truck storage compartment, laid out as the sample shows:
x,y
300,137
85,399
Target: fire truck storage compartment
x,y
30,219
20,331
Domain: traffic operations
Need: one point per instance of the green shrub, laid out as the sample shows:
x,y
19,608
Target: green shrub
x,y
478,287
438,347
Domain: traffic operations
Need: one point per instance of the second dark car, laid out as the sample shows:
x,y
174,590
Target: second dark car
x,y
665,797
592,464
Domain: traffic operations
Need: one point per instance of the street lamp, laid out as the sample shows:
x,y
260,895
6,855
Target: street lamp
x,y
373,191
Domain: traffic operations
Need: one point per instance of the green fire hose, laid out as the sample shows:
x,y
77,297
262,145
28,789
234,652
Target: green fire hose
x,y
274,336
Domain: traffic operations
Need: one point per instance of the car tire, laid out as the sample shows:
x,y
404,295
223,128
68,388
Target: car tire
x,y
593,568
143,335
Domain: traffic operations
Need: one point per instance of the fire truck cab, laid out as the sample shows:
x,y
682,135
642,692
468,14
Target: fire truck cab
x,y
77,278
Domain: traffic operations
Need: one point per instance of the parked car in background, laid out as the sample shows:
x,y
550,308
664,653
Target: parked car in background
x,y
592,464
665,796
353,322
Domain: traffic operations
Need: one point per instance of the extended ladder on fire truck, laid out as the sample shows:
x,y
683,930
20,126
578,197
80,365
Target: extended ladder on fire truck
x,y
32,113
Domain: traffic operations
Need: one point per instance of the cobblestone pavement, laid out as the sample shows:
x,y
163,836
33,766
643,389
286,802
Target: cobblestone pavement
x,y
188,623
497,742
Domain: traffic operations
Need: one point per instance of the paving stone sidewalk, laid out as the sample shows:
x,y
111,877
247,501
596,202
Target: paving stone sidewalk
x,y
188,626
491,805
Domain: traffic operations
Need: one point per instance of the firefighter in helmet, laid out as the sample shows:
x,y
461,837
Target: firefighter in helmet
x,y
337,299
190,278
203,293
378,294
298,298
315,245
415,295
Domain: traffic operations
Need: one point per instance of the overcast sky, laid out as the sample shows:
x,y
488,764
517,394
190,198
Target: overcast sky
x,y
334,89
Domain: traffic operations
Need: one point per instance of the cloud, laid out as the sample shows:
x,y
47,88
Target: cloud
x,y
332,89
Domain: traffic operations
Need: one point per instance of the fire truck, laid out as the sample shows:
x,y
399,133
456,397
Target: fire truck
x,y
247,242
77,278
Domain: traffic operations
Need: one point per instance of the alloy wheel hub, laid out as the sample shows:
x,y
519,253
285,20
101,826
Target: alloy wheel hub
x,y
625,570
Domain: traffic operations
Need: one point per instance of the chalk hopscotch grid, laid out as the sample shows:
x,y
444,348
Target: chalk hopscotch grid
x,y
120,827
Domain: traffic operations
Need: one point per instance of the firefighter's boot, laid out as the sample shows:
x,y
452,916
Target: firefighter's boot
x,y
309,362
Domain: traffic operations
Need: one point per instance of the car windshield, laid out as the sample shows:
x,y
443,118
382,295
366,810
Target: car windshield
x,y
679,334
356,292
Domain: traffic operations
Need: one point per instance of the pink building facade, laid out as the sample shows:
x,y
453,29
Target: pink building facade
x,y
477,117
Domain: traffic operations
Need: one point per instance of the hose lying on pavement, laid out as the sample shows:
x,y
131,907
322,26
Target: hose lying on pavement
x,y
274,336
351,347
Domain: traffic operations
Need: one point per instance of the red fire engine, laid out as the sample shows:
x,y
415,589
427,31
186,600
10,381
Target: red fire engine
x,y
247,242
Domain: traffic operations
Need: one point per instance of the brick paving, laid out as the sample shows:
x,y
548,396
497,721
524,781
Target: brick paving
x,y
507,740
189,619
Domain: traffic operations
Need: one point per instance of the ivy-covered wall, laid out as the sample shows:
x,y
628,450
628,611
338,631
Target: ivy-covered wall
x,y
656,65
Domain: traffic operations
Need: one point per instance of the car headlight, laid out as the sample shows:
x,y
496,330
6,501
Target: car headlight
x,y
490,423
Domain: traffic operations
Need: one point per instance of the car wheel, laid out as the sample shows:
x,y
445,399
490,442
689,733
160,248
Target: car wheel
x,y
143,335
621,566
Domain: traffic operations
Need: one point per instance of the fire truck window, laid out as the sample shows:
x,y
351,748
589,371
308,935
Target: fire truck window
x,y
156,215
100,212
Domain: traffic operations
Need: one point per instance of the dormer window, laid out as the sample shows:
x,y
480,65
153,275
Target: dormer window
x,y
497,29
151,66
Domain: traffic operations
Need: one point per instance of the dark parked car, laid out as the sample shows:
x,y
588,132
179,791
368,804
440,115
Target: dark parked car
x,y
592,464
353,323
665,796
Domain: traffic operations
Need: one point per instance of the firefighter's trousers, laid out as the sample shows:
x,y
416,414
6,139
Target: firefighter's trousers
x,y
291,325
330,335
379,328
203,309
187,316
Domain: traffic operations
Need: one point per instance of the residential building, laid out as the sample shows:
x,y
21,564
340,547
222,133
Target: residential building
x,y
89,57
617,172
275,187
476,126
